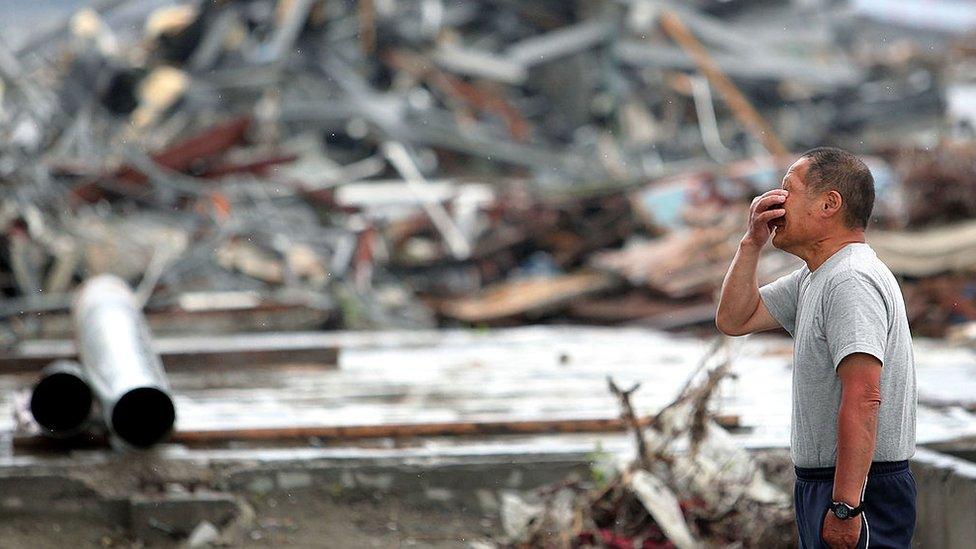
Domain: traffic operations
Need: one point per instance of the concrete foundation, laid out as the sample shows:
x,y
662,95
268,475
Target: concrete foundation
x,y
437,501
946,501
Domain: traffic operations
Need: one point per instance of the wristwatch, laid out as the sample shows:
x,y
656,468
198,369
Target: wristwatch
x,y
844,511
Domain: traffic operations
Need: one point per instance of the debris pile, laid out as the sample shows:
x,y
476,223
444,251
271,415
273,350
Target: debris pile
x,y
272,165
690,486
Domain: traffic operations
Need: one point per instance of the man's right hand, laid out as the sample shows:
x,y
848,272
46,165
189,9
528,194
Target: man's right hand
x,y
765,208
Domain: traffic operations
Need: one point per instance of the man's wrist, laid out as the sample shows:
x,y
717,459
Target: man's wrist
x,y
853,501
846,492
750,245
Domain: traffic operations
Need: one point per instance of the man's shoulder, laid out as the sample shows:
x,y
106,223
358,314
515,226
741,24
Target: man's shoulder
x,y
859,266
860,277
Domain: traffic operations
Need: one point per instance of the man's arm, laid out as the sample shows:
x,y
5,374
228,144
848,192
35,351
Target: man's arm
x,y
857,424
857,428
740,308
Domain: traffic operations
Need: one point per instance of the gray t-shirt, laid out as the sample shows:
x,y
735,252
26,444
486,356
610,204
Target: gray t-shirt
x,y
849,304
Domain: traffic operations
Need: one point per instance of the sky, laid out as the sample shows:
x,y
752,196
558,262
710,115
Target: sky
x,y
18,18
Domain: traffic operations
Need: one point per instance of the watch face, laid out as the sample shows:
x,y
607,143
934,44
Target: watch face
x,y
841,511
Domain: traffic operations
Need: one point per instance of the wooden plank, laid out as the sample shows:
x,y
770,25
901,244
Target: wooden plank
x,y
279,435
174,321
527,297
189,352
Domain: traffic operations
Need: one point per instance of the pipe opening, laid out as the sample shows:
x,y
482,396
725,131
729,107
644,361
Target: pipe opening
x,y
61,403
143,416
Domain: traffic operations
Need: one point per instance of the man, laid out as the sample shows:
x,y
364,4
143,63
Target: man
x,y
854,396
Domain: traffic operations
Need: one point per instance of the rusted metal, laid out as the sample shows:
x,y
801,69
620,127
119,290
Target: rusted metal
x,y
260,166
408,430
179,157
327,433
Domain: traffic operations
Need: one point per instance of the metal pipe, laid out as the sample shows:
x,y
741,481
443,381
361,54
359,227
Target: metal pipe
x,y
62,399
127,376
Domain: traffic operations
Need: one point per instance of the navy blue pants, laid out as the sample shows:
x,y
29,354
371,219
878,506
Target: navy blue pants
x,y
888,519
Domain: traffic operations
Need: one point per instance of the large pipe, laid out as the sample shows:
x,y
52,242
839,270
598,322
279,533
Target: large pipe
x,y
115,348
62,400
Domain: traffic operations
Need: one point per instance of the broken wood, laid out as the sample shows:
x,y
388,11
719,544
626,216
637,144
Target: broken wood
x,y
191,352
741,107
527,296
281,435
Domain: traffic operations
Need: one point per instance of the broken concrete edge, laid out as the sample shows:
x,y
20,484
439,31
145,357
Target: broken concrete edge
x,y
472,483
422,475
946,500
225,496
166,517
160,517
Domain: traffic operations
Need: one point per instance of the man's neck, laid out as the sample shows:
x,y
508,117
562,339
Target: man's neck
x,y
821,250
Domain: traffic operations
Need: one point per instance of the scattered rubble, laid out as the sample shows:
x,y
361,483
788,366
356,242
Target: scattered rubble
x,y
387,165
690,486
283,166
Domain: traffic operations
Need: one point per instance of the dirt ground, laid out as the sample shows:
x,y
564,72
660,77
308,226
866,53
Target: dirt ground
x,y
383,523
280,521
303,518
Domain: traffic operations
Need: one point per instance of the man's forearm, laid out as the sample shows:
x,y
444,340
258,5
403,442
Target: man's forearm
x,y
740,291
857,427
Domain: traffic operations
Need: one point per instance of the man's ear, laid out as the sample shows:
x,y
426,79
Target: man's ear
x,y
832,203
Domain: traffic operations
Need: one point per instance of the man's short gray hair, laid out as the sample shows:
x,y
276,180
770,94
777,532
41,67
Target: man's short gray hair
x,y
831,168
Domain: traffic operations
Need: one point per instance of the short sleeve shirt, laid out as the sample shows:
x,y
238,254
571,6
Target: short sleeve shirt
x,y
849,304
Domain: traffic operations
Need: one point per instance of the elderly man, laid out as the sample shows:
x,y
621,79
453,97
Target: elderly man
x,y
854,396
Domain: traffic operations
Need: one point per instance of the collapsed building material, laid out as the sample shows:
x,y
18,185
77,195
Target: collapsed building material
x,y
944,249
189,313
687,263
238,127
690,486
934,304
532,296
761,67
938,185
62,401
114,345
191,352
741,106
637,307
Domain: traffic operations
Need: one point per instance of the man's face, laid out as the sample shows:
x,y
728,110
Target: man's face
x,y
799,225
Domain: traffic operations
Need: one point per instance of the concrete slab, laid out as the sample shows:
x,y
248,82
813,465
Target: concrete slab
x,y
960,510
54,495
946,500
930,521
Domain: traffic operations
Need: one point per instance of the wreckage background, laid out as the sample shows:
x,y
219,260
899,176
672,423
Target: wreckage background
x,y
478,175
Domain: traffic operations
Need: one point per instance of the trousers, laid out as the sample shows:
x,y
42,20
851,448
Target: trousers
x,y
888,519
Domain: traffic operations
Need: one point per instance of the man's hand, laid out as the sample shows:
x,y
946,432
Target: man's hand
x,y
765,208
841,534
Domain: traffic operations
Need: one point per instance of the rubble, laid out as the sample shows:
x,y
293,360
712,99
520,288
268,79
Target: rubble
x,y
690,486
345,176
384,165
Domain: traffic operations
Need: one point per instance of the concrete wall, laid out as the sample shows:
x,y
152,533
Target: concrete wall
x,y
946,501
459,482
